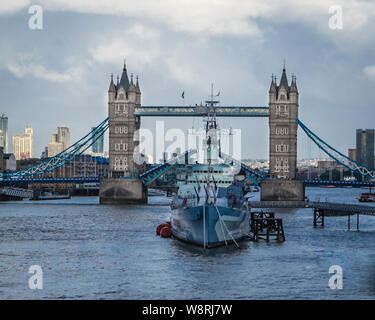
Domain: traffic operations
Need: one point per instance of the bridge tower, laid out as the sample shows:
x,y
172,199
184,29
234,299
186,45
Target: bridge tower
x,y
123,185
283,112
283,108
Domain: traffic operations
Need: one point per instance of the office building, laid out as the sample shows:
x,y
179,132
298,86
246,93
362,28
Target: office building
x,y
365,147
4,133
63,136
352,154
9,162
59,142
98,145
327,164
23,144
54,147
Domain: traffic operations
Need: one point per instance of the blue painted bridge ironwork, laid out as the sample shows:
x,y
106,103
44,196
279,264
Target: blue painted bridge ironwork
x,y
358,184
34,173
336,155
201,111
157,171
30,180
151,175
61,159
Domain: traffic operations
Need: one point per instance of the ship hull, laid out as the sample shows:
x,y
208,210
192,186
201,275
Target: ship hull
x,y
202,226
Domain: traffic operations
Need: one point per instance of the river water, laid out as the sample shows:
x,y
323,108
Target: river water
x,y
91,251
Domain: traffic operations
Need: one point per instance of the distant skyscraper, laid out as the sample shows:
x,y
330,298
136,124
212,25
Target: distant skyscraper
x,y
44,153
23,144
365,147
98,145
59,142
4,133
63,136
54,147
352,154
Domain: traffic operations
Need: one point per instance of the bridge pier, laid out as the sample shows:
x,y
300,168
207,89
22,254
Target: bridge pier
x,y
122,191
282,190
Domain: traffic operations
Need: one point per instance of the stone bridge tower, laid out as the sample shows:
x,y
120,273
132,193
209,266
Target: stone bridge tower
x,y
122,100
123,185
283,108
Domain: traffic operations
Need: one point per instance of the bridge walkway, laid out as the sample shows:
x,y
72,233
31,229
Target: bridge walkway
x,y
332,207
320,209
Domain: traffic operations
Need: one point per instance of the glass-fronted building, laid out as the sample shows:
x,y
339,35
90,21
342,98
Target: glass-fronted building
x,y
98,145
4,132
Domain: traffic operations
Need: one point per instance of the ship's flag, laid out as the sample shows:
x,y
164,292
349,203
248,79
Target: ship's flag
x,y
183,95
218,94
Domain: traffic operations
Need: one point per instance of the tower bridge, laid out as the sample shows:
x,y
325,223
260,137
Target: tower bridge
x,y
127,181
124,119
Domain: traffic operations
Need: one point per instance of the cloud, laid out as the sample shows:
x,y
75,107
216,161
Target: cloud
x,y
210,17
183,73
370,71
139,44
25,66
217,17
8,7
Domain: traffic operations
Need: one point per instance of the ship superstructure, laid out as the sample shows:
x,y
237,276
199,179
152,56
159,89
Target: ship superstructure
x,y
209,208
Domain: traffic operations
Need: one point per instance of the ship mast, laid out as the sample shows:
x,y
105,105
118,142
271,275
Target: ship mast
x,y
211,111
212,143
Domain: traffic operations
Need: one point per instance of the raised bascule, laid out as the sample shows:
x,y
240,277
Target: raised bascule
x,y
127,181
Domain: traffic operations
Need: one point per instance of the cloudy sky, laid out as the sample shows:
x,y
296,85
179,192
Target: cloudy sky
x,y
60,75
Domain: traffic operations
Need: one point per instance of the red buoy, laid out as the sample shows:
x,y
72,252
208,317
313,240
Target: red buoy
x,y
166,232
160,226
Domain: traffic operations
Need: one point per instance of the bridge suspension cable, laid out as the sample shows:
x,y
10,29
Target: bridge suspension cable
x,y
255,176
62,158
336,155
154,173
